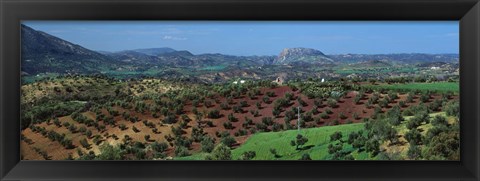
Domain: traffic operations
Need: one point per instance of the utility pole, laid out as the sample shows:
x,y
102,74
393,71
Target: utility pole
x,y
298,120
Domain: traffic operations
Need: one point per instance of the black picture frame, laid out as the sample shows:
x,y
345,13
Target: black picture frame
x,y
13,11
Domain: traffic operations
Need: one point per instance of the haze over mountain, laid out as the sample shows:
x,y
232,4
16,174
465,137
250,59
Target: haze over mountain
x,y
42,53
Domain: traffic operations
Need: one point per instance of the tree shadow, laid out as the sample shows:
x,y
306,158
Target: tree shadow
x,y
306,147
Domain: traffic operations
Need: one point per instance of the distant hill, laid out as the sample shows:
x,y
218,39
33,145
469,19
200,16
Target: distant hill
x,y
130,56
184,58
410,58
305,55
42,53
432,64
371,63
155,51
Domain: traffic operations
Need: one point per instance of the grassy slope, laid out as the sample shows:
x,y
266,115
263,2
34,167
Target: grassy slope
x,y
318,140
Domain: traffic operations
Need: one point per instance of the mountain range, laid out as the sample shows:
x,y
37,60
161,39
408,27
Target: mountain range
x,y
42,52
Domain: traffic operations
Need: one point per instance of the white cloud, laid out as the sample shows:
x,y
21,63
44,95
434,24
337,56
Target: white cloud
x,y
169,37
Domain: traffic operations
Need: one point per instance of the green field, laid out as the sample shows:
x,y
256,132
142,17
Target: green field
x,y
214,68
437,86
32,78
374,70
317,145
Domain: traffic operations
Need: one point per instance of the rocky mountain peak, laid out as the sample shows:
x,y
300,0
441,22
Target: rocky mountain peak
x,y
290,55
286,52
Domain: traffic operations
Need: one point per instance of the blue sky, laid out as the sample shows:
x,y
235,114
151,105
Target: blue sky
x,y
260,37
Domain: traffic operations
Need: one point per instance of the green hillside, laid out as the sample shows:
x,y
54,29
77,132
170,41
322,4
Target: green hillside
x,y
316,147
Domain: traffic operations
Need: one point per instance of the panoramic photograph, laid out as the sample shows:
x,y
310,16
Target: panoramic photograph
x,y
240,90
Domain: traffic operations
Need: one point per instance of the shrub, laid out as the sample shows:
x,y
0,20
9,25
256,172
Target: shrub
x,y
122,127
357,99
273,151
267,121
324,115
181,151
159,147
305,157
356,116
277,127
301,102
228,141
418,120
248,155
395,116
410,97
413,137
424,98
289,96
82,129
452,108
220,152
57,122
414,152
228,125
359,142
237,109
214,114
135,129
266,99
170,119
210,124
299,141
109,152
276,112
243,104
88,133
445,145
147,138
232,118
435,105
270,94
332,103
336,136
85,143
241,132
258,105
335,122
208,144
318,102
67,143
197,134
372,146
328,111
439,121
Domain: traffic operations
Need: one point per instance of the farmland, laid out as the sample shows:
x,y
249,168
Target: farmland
x,y
241,116
300,104
435,86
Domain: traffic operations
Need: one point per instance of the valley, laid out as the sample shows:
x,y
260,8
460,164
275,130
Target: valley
x,y
167,104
